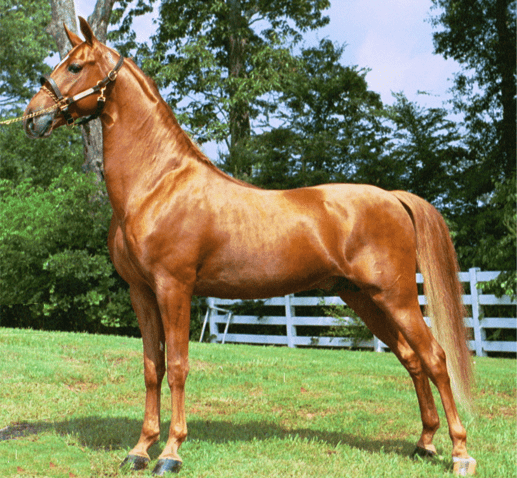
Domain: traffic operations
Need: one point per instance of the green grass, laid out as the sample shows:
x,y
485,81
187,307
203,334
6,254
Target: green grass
x,y
72,405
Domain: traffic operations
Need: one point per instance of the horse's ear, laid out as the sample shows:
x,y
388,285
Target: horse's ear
x,y
87,31
74,39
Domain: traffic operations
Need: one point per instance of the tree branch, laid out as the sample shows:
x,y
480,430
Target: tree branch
x,y
100,18
63,11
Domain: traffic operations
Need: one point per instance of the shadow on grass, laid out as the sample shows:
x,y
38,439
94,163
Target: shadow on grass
x,y
215,431
122,434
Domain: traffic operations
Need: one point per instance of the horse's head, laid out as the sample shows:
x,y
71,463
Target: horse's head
x,y
76,87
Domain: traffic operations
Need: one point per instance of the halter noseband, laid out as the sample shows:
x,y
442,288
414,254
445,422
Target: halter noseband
x,y
63,103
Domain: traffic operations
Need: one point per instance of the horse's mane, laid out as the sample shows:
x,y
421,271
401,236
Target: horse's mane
x,y
190,144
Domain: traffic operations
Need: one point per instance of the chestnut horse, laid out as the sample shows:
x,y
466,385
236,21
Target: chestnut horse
x,y
181,227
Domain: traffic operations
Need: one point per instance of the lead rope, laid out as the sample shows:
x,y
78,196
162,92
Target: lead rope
x,y
36,113
32,115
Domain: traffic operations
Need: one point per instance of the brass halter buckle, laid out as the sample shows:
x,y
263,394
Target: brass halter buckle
x,y
103,89
112,75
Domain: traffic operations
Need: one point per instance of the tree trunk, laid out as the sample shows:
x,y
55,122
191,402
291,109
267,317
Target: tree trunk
x,y
63,11
240,128
506,60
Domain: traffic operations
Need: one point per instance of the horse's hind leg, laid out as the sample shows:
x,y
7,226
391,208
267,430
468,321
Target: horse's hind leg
x,y
153,338
376,320
404,312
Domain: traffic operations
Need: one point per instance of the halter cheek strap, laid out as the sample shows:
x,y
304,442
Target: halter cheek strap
x,y
63,103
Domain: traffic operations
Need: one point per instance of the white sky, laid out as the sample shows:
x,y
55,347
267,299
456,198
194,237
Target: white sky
x,y
390,37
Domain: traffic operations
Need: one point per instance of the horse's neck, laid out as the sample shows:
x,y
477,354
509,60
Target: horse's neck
x,y
142,140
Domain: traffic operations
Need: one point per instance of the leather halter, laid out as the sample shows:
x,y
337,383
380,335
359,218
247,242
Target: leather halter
x,y
64,103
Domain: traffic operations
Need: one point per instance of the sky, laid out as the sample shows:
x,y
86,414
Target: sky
x,y
392,38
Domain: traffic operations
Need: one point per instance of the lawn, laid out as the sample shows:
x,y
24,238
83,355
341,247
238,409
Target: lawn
x,y
72,405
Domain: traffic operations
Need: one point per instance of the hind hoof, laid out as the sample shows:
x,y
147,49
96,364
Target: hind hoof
x,y
135,462
464,466
424,452
166,465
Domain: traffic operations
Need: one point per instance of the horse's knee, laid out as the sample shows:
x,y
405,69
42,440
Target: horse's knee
x,y
177,372
153,374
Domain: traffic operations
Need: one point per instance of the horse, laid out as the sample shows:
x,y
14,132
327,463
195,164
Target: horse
x,y
181,226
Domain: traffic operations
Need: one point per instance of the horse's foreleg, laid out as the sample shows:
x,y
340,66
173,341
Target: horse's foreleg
x,y
175,309
149,320
378,323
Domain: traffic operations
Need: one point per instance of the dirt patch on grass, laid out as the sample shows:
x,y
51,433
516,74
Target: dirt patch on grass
x,y
80,387
201,366
119,358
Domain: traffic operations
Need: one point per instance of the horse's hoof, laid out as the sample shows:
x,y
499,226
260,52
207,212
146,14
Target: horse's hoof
x,y
464,466
135,462
424,452
166,465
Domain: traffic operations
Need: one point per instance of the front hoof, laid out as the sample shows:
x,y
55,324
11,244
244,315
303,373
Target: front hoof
x,y
424,452
464,466
135,462
166,465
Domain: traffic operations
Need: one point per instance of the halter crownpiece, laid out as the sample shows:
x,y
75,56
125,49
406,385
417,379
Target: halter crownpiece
x,y
63,103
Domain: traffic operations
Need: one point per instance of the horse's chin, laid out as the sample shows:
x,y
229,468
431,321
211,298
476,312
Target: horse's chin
x,y
39,127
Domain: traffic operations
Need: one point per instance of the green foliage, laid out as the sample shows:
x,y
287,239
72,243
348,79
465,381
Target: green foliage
x,y
424,154
55,260
330,125
198,309
502,253
24,45
348,324
249,307
40,161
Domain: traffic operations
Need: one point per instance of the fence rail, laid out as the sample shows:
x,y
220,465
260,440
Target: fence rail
x,y
220,318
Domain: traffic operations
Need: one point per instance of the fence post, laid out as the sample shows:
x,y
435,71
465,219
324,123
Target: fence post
x,y
378,344
213,325
289,314
479,332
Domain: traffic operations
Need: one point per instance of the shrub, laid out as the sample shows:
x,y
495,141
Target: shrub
x,y
56,272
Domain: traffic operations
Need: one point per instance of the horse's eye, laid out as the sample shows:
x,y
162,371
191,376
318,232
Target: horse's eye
x,y
75,68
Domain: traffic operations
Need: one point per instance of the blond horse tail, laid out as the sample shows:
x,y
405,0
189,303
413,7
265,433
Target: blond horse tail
x,y
436,259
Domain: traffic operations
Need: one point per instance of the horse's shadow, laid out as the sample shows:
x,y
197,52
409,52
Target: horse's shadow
x,y
117,433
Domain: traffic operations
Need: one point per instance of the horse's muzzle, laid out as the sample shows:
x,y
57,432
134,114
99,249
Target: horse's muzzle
x,y
39,126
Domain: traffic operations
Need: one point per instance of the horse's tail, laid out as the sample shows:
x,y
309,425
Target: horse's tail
x,y
436,259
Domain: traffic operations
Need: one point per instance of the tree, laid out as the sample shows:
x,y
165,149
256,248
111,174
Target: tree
x,y
330,124
424,154
225,56
24,45
481,36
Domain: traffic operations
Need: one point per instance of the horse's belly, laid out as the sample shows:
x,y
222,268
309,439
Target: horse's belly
x,y
260,276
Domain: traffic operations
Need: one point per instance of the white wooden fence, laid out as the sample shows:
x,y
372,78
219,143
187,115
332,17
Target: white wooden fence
x,y
220,318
